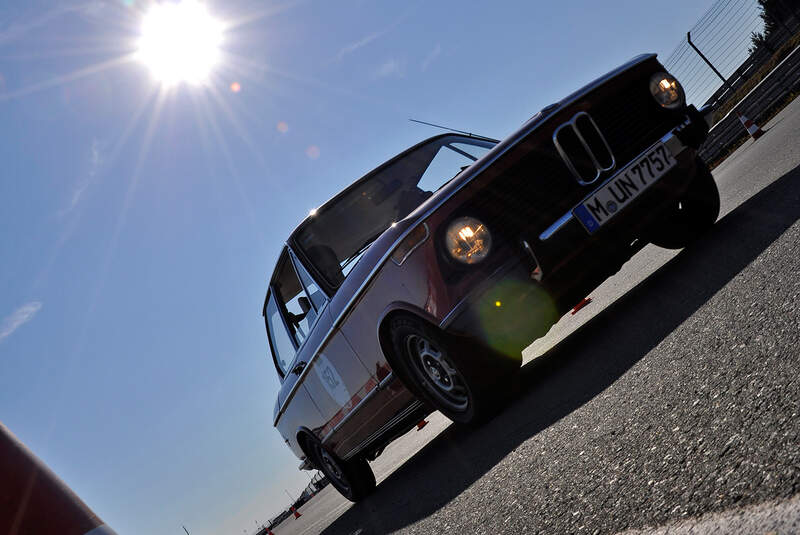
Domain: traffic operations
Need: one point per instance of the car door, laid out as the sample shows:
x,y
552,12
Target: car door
x,y
290,322
336,379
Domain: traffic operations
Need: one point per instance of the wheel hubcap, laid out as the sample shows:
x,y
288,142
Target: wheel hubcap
x,y
331,467
442,378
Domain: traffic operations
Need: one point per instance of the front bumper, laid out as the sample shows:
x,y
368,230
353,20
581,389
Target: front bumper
x,y
682,142
525,296
506,312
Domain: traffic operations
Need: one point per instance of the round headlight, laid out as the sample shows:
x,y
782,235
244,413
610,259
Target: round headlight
x,y
468,240
667,91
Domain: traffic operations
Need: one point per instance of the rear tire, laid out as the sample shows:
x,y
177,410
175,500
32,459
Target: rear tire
x,y
693,214
353,479
449,374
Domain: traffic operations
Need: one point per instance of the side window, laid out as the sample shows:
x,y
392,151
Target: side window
x,y
318,298
282,347
447,163
292,298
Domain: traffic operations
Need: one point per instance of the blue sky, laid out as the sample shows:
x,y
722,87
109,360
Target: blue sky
x,y
138,227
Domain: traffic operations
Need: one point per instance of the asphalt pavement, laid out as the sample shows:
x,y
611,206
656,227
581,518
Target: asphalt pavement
x,y
668,405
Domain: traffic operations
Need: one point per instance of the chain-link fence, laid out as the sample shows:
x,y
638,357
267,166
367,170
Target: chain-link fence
x,y
736,39
742,56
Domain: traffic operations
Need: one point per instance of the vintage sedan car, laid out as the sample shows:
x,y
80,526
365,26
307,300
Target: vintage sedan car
x,y
416,288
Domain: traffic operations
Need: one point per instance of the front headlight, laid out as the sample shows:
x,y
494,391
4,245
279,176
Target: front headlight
x,y
667,91
468,240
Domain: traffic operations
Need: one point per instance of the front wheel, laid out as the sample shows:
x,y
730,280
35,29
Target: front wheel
x,y
691,215
463,384
353,479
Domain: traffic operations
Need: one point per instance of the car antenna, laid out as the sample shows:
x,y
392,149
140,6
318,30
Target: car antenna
x,y
470,134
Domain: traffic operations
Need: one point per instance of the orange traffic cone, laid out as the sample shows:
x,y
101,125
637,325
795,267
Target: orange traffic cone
x,y
752,128
421,424
585,301
296,513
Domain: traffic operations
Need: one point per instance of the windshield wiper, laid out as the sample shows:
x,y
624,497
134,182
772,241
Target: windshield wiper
x,y
363,247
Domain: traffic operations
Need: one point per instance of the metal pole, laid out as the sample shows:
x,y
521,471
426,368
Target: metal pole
x,y
724,81
186,530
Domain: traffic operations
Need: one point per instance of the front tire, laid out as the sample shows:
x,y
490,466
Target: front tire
x,y
691,215
353,479
448,374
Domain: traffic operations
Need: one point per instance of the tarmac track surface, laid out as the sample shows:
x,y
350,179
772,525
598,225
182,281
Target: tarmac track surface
x,y
670,404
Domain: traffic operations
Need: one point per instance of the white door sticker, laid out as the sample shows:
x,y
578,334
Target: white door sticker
x,y
331,380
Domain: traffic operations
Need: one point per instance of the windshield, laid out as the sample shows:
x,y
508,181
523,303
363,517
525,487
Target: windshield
x,y
335,237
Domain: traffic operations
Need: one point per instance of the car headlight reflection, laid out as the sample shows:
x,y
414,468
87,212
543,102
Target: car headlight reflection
x,y
468,240
667,91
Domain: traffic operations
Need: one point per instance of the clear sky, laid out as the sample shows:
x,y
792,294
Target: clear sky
x,y
138,225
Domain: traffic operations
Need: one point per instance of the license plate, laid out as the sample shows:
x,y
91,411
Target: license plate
x,y
630,182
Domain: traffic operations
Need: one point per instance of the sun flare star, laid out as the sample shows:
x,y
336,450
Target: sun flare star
x,y
180,42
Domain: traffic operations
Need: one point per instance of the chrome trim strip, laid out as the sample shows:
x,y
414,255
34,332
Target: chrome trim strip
x,y
386,427
499,150
380,386
414,248
556,226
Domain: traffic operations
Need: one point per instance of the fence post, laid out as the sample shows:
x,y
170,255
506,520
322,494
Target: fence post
x,y
724,81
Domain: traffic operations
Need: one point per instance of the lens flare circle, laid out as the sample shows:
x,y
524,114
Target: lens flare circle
x,y
180,42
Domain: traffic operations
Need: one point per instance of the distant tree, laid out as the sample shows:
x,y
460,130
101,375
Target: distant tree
x,y
758,40
775,14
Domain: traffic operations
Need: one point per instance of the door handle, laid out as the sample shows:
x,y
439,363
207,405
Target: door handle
x,y
299,368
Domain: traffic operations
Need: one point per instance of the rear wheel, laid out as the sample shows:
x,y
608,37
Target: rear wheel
x,y
694,213
353,479
448,374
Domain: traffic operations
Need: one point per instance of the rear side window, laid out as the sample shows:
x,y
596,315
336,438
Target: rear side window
x,y
282,346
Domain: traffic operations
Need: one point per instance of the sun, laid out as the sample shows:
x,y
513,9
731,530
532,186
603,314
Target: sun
x,y
180,42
